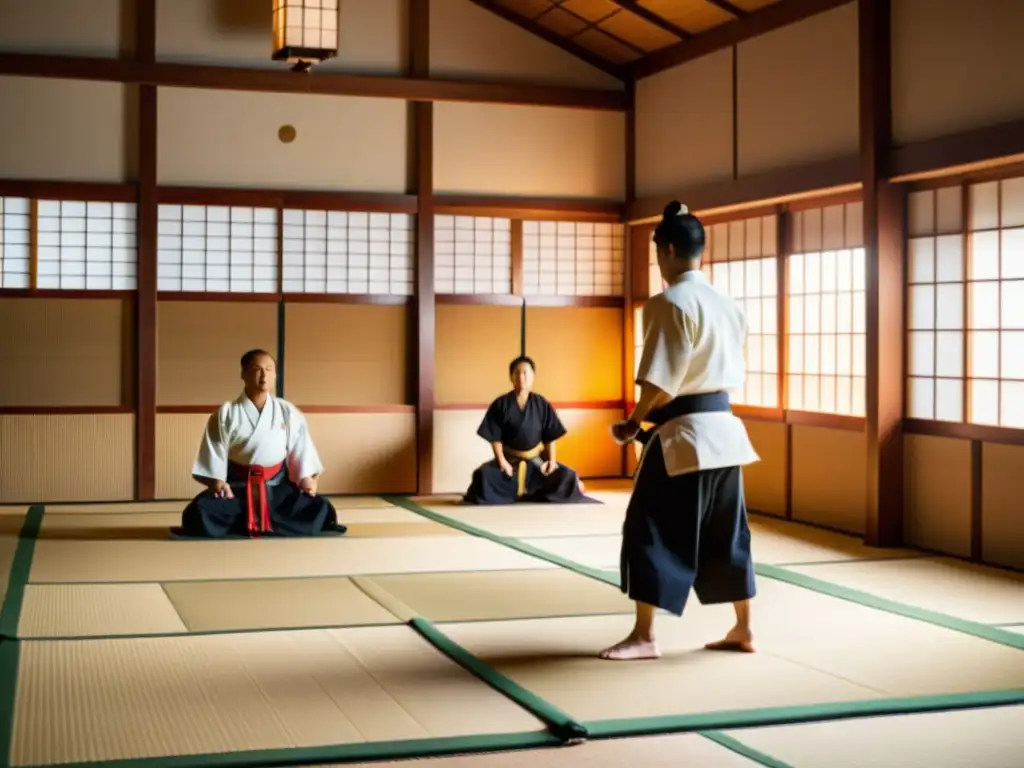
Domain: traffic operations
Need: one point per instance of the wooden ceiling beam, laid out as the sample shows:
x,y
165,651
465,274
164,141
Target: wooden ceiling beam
x,y
568,46
771,186
417,89
652,18
768,19
728,7
967,148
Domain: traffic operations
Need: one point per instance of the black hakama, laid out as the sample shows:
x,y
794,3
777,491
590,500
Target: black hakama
x,y
291,512
522,430
687,531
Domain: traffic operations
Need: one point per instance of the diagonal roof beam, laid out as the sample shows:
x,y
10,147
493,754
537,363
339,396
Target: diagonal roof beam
x,y
651,17
568,46
728,7
767,19
593,24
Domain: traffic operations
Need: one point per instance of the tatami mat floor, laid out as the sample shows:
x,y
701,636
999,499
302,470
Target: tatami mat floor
x,y
436,629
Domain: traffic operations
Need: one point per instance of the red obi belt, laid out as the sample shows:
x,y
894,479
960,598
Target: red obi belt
x,y
256,485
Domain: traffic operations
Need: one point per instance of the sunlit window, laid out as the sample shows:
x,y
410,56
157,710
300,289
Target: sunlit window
x,y
826,314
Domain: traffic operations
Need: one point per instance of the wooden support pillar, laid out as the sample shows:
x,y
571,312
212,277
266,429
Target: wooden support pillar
x,y
884,242
146,283
518,268
628,279
422,162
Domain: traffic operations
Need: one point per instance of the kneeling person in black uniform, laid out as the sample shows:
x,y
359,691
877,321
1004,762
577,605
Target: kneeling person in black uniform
x,y
522,428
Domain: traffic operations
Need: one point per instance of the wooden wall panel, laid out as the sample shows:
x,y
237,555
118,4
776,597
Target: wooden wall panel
x,y
829,476
937,494
798,93
64,457
177,443
239,34
346,354
62,27
63,129
457,450
1002,535
200,343
674,150
575,349
361,452
587,448
366,452
229,139
467,41
576,363
765,481
943,50
496,149
474,346
578,352
64,352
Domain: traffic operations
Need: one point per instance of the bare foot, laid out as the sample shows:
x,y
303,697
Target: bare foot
x,y
631,649
737,640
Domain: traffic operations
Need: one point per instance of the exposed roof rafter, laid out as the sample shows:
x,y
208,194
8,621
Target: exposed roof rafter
x,y
565,44
728,7
617,36
650,16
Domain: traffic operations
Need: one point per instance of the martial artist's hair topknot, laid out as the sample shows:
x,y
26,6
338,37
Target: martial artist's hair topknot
x,y
682,230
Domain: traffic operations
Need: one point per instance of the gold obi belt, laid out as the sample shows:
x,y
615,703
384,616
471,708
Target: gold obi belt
x,y
524,458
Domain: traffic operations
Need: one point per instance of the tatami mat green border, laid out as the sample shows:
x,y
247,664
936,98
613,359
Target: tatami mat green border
x,y
337,753
9,657
21,566
560,724
708,725
729,720
778,573
10,616
737,746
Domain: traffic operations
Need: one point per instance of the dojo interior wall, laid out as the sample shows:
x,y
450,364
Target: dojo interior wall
x,y
67,392
347,364
68,384
949,366
761,100
578,353
760,107
761,112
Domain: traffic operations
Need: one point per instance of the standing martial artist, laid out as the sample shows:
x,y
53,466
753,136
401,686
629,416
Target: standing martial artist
x,y
686,524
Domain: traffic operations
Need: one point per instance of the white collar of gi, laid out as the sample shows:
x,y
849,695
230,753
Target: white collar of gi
x,y
244,398
691,276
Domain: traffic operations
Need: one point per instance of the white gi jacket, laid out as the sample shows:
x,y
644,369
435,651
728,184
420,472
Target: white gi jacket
x,y
693,343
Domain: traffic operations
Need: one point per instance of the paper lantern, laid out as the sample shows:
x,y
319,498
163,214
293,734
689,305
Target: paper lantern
x,y
305,31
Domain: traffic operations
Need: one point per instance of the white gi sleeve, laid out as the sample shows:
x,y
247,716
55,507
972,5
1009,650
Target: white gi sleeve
x,y
303,459
212,460
667,347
